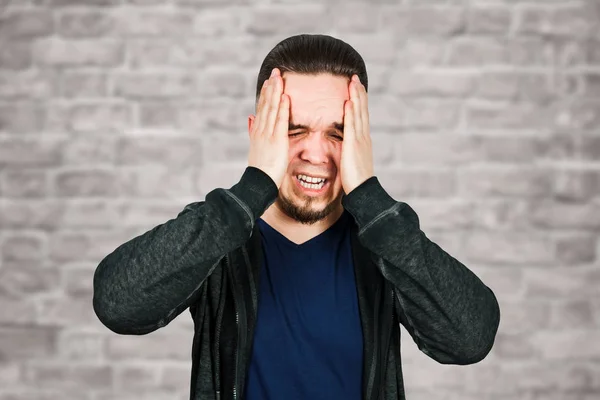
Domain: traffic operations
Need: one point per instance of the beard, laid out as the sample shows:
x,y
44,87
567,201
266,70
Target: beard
x,y
304,210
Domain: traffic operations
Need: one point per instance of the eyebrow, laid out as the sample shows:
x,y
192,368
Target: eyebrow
x,y
337,125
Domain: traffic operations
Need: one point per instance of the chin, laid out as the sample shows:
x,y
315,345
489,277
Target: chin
x,y
303,213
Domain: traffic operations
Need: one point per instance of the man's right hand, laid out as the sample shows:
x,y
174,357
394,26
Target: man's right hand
x,y
269,143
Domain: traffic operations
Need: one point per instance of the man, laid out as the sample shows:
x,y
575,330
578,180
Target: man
x,y
298,276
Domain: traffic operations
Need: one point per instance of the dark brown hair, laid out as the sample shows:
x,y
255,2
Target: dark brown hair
x,y
313,54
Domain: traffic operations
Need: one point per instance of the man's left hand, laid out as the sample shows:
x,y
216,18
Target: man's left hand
x,y
357,154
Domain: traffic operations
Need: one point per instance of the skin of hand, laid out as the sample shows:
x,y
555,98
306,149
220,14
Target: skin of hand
x,y
356,163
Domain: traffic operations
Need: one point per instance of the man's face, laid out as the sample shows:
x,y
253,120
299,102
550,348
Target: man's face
x,y
315,137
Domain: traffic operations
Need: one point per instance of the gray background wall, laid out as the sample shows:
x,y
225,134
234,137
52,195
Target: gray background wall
x,y
114,114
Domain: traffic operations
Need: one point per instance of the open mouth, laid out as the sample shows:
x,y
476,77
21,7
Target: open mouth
x,y
312,187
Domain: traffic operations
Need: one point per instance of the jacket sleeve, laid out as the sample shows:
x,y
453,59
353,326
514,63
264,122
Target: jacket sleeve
x,y
451,315
149,280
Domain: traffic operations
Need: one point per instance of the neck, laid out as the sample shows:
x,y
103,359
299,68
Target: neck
x,y
294,230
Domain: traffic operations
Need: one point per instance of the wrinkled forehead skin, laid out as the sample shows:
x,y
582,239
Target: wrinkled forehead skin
x,y
316,100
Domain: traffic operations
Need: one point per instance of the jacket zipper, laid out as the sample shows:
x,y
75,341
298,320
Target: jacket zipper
x,y
387,342
236,351
374,359
237,324
239,333
217,339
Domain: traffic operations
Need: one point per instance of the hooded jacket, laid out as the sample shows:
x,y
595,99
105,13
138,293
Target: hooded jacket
x,y
207,260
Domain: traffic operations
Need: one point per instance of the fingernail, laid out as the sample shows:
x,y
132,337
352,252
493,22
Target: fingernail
x,y
273,72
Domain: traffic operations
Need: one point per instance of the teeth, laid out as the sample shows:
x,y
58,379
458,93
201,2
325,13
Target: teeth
x,y
311,186
310,179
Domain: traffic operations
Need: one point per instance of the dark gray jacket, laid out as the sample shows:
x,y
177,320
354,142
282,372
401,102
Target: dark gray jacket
x,y
207,259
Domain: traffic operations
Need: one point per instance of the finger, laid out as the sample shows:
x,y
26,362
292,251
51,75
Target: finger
x,y
273,109
357,118
348,120
263,90
283,116
262,99
264,112
364,107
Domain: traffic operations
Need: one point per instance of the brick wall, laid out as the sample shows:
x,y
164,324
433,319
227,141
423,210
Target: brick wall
x,y
114,114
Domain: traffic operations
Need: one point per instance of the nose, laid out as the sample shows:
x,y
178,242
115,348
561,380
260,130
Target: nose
x,y
315,148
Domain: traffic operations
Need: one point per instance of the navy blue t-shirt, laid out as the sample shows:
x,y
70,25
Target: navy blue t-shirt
x,y
308,342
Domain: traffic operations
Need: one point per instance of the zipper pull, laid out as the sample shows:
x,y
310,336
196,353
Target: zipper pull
x,y
218,394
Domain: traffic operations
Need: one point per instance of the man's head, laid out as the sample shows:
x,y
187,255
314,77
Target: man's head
x,y
316,71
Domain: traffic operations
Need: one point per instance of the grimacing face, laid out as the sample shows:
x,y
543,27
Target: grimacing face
x,y
316,107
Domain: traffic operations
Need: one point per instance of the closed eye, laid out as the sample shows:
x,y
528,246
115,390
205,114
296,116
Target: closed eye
x,y
300,133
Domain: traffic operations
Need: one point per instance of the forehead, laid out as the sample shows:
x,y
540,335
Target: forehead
x,y
316,99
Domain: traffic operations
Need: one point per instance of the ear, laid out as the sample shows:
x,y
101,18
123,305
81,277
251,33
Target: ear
x,y
251,118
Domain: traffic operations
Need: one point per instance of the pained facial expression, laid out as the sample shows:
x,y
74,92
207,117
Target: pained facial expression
x,y
315,138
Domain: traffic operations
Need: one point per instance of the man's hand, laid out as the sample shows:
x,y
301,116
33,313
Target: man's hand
x,y
269,143
357,154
